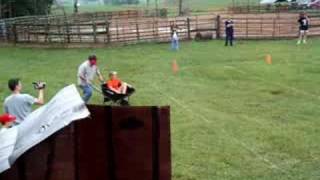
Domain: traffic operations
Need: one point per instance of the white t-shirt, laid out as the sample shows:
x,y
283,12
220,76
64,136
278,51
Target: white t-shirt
x,y
19,105
87,72
175,36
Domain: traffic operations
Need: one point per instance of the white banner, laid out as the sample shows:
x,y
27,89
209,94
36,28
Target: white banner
x,y
8,138
65,107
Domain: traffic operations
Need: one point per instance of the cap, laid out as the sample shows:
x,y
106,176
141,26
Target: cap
x,y
6,118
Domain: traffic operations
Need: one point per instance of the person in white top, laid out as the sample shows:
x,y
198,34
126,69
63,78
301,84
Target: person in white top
x,y
86,74
18,104
175,41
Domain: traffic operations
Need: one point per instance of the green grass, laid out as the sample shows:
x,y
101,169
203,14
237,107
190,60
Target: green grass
x,y
194,5
233,116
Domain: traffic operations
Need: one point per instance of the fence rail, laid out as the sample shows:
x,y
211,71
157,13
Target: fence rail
x,y
147,29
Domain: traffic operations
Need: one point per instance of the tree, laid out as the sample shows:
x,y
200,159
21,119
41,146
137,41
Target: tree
x,y
180,7
28,7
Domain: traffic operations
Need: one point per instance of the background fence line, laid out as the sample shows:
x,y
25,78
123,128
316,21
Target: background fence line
x,y
121,29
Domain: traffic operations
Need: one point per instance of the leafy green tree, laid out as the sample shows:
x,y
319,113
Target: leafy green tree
x,y
28,7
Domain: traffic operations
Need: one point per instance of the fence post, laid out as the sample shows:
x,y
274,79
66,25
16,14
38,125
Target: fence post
x,y
28,33
189,28
15,35
94,26
137,30
218,29
247,27
274,28
108,31
67,31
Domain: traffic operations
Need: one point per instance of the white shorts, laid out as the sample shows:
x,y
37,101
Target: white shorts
x,y
304,31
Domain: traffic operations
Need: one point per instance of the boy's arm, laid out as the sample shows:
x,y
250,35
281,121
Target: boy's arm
x,y
40,99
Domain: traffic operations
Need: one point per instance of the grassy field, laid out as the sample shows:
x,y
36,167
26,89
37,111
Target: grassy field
x,y
194,5
233,116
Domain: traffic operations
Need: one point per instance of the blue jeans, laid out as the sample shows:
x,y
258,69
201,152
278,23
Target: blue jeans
x,y
175,44
87,92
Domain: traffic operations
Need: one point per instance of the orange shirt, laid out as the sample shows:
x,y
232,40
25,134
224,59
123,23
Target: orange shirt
x,y
114,83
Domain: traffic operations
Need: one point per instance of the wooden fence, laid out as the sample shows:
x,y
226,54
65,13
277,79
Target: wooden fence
x,y
269,26
129,30
153,29
115,143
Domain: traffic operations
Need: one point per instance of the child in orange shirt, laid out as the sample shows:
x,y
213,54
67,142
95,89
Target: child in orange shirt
x,y
116,85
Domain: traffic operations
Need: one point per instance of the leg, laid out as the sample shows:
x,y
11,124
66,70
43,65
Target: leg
x,y
87,93
305,37
177,45
227,39
172,44
300,37
231,39
123,88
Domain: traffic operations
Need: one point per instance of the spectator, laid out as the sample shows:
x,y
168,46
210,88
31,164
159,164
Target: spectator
x,y
303,28
229,32
86,74
18,104
7,120
175,41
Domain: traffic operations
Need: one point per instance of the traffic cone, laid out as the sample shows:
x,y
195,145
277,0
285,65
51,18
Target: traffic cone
x,y
175,67
268,59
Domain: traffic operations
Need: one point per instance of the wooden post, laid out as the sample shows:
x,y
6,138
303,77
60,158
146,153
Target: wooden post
x,y
117,28
274,28
68,32
261,26
15,36
94,26
137,30
28,32
247,27
47,37
189,28
108,31
218,27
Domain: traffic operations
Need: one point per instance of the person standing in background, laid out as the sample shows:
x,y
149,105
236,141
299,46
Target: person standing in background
x,y
303,28
229,32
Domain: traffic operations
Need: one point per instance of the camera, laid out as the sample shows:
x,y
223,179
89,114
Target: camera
x,y
39,85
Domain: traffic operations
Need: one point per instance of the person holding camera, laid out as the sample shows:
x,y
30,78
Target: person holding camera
x,y
20,105
86,74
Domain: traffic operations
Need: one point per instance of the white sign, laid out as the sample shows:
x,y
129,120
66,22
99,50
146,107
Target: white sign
x,y
65,107
8,139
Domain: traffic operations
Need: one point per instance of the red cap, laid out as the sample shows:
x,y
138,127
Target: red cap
x,y
6,118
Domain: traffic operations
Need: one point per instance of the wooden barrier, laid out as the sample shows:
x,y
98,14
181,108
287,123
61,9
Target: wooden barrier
x,y
116,143
153,29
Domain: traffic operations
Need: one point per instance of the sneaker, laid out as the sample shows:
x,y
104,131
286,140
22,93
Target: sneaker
x,y
304,42
299,42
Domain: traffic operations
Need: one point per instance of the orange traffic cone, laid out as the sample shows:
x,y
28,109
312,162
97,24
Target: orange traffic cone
x,y
175,67
268,59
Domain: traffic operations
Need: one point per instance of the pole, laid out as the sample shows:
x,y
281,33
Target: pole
x,y
157,6
0,9
75,6
180,7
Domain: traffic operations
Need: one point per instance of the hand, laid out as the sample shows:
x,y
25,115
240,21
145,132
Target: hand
x,y
39,85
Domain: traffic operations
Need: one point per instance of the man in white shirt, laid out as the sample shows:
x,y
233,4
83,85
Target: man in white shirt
x,y
86,74
18,104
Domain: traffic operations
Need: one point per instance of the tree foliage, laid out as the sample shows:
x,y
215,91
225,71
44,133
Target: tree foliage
x,y
28,7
